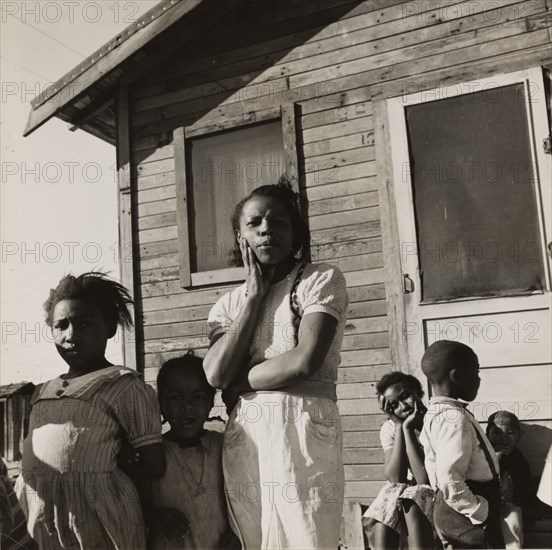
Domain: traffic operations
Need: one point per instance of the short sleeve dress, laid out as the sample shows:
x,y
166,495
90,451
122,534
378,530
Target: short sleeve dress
x,y
282,461
70,488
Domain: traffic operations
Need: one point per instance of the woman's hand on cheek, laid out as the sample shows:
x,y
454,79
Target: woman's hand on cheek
x,y
257,285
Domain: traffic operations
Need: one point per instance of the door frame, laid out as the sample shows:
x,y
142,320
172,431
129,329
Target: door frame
x,y
391,144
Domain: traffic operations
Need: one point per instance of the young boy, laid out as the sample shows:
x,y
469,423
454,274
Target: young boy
x,y
504,432
459,459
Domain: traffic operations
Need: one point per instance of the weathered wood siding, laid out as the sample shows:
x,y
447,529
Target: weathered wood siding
x,y
331,57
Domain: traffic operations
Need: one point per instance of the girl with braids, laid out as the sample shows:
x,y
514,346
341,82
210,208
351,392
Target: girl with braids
x,y
274,346
70,488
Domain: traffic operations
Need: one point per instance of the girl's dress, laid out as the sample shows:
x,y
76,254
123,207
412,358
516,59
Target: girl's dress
x,y
70,488
283,469
194,485
387,506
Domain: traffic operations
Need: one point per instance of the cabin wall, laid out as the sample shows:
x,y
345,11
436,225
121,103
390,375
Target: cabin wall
x,y
331,58
15,412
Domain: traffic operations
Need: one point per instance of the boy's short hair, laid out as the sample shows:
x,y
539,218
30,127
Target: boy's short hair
x,y
503,417
445,355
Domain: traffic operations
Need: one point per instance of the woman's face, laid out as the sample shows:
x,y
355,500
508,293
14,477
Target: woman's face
x,y
265,224
80,333
400,399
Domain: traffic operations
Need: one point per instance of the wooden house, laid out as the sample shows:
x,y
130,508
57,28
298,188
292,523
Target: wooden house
x,y
366,106
15,403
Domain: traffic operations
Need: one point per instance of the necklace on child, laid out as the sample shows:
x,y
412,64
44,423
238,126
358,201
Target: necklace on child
x,y
199,488
189,443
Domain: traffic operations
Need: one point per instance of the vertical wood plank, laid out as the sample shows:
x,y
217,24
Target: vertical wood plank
x,y
549,8
290,115
126,258
3,427
179,142
17,425
9,440
351,527
390,238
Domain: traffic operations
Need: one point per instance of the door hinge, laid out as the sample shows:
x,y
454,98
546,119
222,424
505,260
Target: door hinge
x,y
547,145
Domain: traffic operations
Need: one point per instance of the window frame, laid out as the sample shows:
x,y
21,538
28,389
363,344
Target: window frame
x,y
288,114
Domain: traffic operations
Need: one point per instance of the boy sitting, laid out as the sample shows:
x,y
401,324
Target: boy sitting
x,y
460,461
504,432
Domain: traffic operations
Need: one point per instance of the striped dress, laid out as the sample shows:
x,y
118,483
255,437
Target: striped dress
x,y
70,488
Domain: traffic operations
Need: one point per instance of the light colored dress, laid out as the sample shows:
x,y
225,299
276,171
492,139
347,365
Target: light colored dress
x,y
70,488
387,506
283,468
194,485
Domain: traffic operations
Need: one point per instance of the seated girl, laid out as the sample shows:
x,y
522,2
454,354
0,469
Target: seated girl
x,y
403,509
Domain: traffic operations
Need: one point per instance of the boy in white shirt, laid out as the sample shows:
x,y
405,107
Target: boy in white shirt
x,y
459,459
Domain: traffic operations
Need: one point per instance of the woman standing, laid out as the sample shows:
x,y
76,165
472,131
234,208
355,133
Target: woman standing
x,y
275,344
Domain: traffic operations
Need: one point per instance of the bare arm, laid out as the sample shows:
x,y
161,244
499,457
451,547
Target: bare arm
x,y
396,460
414,451
149,462
229,352
316,334
152,460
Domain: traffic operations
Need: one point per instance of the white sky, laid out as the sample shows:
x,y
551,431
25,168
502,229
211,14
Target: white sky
x,y
58,189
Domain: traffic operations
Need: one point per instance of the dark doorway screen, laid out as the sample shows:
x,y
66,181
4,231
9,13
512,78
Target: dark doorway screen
x,y
475,195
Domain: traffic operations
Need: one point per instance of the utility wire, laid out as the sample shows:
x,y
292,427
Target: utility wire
x,y
46,34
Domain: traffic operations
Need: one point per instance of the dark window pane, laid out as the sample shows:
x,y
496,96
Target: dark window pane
x,y
222,169
474,195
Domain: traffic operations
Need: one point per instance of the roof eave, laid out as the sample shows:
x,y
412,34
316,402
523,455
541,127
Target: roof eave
x,y
105,60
